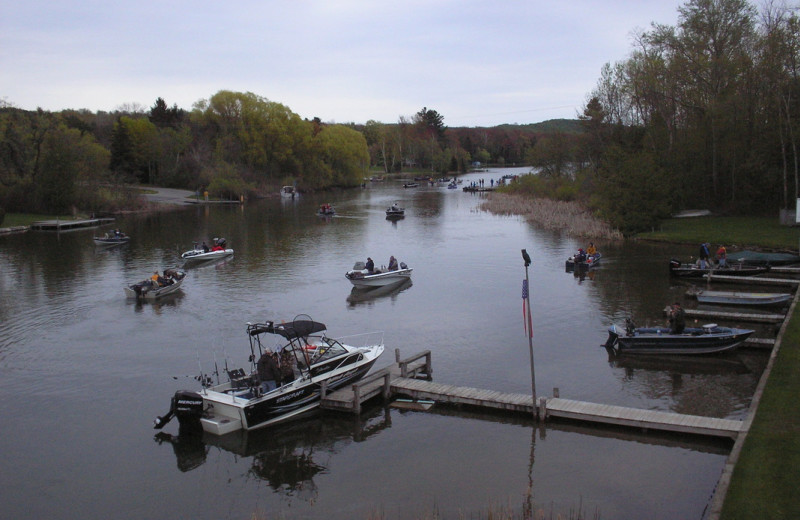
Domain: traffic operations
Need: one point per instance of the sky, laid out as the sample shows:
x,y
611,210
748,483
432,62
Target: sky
x,y
476,63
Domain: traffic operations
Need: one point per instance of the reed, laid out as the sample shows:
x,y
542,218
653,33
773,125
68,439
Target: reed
x,y
568,217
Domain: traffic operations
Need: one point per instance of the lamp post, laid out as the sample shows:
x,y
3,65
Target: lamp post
x,y
526,297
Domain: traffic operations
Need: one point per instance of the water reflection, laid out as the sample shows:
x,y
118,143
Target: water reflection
x,y
287,457
368,296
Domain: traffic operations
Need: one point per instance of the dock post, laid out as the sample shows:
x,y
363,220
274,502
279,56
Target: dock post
x,y
356,399
542,409
387,385
323,391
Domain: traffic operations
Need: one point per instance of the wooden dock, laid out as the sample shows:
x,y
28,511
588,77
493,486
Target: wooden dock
x,y
403,378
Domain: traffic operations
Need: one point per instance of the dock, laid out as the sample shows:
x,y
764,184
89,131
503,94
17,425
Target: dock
x,y
413,377
64,225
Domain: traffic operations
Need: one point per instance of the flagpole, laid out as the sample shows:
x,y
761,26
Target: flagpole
x,y
529,328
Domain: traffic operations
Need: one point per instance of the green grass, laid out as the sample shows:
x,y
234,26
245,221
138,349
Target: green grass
x,y
740,232
764,481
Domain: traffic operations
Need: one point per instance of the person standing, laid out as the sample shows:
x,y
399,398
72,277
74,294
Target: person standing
x,y
268,372
722,256
677,319
704,255
370,265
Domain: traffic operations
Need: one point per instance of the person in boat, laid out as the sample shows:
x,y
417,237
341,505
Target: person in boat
x,y
158,280
722,256
205,247
392,263
269,374
581,256
677,319
219,245
370,265
591,250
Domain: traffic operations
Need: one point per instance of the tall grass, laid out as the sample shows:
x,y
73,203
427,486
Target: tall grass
x,y
569,217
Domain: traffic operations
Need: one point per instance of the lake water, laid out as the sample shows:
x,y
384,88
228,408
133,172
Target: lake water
x,y
85,372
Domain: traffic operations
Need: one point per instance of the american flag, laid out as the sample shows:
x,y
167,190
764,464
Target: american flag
x,y
526,317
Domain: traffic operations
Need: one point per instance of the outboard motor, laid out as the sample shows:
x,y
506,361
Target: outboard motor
x,y
187,406
612,337
674,263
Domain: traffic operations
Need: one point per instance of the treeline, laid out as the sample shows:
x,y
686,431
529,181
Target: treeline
x,y
232,144
705,114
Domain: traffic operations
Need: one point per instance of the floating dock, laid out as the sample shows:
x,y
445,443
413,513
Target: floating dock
x,y
403,378
753,280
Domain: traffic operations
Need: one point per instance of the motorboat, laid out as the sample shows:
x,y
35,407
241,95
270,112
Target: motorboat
x,y
113,238
309,360
395,211
764,258
202,253
411,185
289,192
582,260
326,210
693,270
361,277
152,289
739,297
708,339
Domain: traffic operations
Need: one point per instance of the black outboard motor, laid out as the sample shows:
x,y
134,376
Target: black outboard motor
x,y
612,337
674,263
187,406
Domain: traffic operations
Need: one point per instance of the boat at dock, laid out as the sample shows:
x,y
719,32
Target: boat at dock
x,y
676,268
708,339
739,297
309,361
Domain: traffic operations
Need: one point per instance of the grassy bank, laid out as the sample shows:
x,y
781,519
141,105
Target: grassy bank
x,y
737,232
765,476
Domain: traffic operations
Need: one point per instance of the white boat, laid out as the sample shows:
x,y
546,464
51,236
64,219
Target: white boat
x,y
739,297
309,360
360,276
153,289
289,192
204,254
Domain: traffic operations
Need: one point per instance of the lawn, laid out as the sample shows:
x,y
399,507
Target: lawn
x,y
733,232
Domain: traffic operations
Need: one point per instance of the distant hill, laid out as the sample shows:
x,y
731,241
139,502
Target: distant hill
x,y
564,126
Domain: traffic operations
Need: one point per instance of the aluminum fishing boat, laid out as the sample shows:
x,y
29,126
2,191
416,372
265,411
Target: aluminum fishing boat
x,y
708,339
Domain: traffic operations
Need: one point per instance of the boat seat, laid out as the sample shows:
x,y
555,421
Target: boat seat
x,y
238,378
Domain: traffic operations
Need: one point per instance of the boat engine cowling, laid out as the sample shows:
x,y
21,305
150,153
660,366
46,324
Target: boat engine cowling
x,y
674,263
187,407
613,336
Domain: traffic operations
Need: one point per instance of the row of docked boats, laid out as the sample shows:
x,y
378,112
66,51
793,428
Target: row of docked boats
x,y
710,338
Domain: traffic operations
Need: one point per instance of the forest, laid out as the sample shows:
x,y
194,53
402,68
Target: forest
x,y
703,114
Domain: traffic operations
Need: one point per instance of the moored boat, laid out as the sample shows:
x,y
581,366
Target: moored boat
x,y
739,297
307,361
708,339
156,286
289,192
763,258
693,270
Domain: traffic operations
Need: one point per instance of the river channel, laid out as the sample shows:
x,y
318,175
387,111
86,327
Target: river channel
x,y
85,371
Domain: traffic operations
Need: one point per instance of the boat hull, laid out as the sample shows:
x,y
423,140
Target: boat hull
x,y
197,256
380,279
693,271
110,242
693,341
742,298
145,291
227,410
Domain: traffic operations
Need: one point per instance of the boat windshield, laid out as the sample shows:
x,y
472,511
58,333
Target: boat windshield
x,y
326,348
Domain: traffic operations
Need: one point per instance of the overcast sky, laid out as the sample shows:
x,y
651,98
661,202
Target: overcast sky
x,y
477,63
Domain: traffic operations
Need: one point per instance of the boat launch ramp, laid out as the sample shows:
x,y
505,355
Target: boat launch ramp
x,y
413,377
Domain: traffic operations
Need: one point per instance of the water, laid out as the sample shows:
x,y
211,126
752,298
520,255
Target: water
x,y
85,372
